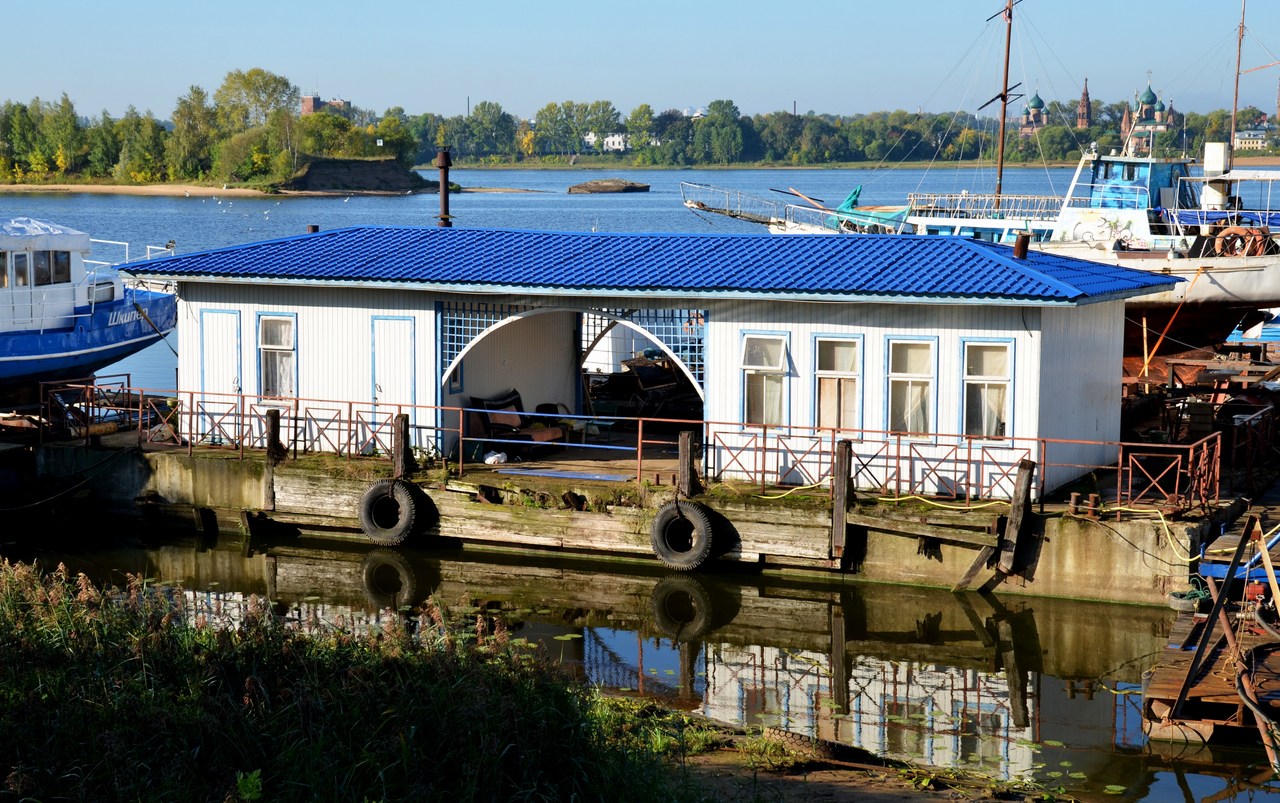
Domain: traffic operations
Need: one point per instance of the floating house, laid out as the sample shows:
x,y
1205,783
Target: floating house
x,y
933,341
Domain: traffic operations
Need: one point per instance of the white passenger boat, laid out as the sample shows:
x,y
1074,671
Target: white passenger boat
x,y
65,315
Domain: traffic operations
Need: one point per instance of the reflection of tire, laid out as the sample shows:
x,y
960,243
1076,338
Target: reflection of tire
x,y
392,510
681,607
681,535
389,580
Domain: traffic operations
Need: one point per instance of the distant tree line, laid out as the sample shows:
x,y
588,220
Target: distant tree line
x,y
251,131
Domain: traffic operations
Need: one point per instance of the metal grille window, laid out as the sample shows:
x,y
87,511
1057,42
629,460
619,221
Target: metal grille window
x,y
276,355
839,364
764,368
986,389
683,331
462,322
911,387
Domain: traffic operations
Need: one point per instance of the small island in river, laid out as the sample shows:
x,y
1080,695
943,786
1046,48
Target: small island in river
x,y
608,185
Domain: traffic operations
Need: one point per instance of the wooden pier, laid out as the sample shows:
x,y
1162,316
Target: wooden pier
x,y
1220,671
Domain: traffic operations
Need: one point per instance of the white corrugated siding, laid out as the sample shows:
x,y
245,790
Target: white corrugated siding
x,y
946,326
1081,357
334,336
1075,350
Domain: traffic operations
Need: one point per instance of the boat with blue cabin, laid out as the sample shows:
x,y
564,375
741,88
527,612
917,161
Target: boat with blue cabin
x,y
1213,227
64,314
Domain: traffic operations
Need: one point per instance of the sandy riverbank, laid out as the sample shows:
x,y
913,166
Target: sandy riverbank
x,y
202,191
196,190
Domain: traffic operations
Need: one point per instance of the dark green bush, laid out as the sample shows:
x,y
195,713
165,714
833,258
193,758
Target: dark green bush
x,y
126,694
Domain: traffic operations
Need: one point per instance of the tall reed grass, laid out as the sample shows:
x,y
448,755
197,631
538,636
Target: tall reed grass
x,y
129,694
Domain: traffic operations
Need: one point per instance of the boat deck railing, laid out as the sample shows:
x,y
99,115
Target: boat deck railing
x,y
730,203
1015,208
963,468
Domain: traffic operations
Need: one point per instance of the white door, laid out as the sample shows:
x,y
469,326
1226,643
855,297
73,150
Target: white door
x,y
218,403
394,370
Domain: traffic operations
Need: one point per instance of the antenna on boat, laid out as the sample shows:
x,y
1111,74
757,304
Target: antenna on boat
x,y
1005,89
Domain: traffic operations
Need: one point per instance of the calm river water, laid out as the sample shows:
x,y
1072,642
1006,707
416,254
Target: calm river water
x,y
1015,687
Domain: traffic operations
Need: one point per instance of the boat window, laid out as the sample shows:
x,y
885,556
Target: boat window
x,y
276,346
61,267
986,389
21,276
43,268
4,269
839,364
911,368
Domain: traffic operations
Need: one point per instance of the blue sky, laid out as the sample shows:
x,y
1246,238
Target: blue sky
x,y
841,58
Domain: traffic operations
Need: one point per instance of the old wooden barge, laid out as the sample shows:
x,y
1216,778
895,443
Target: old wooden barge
x,y
651,494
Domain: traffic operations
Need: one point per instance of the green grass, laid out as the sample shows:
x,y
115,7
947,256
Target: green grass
x,y
125,694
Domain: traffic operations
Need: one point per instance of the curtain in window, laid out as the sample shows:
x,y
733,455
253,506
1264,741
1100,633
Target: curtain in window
x,y
909,406
984,409
277,373
764,398
837,402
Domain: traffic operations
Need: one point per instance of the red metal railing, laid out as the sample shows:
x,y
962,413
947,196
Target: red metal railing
x,y
936,465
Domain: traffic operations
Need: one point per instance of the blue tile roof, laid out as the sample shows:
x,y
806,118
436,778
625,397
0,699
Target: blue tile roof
x,y
834,267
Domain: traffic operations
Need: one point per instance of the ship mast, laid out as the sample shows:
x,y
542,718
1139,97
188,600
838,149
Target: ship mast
x,y
1004,95
1235,95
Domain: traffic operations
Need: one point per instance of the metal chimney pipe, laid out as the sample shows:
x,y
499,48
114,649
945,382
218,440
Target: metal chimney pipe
x,y
443,162
1021,244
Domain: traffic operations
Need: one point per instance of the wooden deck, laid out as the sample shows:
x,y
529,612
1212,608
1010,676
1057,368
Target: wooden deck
x,y
1193,691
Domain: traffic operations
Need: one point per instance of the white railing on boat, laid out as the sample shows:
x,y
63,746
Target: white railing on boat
x,y
730,203
986,205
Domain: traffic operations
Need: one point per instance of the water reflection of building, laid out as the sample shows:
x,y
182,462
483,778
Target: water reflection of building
x,y
942,715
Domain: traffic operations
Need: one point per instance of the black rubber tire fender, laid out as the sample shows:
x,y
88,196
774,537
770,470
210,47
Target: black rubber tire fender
x,y
681,607
681,535
389,579
389,511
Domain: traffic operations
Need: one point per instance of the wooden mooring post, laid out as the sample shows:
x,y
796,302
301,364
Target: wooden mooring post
x,y
402,462
841,495
276,453
687,482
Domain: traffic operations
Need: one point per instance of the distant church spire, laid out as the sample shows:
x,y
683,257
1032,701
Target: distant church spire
x,y
1084,111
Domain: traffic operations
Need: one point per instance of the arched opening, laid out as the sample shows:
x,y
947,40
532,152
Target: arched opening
x,y
585,362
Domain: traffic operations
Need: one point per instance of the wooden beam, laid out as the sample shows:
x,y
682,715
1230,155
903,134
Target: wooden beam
x,y
1218,600
984,555
1017,514
915,530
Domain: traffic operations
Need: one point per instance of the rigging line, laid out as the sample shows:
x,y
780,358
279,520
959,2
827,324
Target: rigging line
x,y
147,318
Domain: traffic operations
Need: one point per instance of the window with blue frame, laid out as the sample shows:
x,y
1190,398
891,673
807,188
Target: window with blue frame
x,y
986,389
911,368
277,348
764,368
839,364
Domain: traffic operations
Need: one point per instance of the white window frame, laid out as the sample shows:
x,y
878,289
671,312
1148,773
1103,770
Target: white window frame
x,y
277,350
759,375
903,379
986,382
847,383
